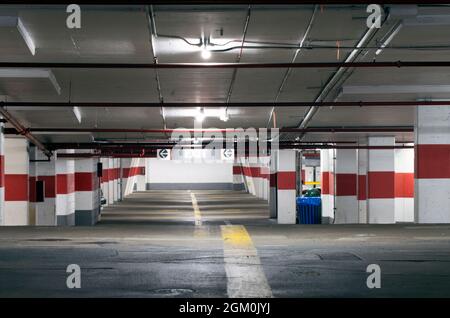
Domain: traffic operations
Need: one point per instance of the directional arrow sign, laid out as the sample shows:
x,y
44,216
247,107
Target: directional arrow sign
x,y
227,154
164,154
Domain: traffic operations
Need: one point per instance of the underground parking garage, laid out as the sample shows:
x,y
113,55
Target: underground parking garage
x,y
225,151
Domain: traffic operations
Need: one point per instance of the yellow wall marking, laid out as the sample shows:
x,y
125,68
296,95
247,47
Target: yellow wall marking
x,y
245,275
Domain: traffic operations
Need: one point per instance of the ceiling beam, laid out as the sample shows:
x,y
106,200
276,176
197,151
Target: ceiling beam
x,y
394,89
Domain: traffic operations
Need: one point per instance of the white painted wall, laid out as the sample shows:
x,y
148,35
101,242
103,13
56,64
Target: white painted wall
x,y
170,171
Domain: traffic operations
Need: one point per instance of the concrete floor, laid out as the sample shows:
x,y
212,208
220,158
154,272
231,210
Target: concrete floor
x,y
149,246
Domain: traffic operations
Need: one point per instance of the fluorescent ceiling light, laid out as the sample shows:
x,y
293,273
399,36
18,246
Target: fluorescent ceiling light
x,y
389,39
12,21
206,53
31,73
77,113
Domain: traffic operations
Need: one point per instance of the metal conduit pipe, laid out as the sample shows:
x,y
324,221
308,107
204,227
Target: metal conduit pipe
x,y
228,130
374,64
21,130
338,75
289,70
406,103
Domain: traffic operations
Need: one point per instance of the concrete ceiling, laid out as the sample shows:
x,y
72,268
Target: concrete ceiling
x,y
121,34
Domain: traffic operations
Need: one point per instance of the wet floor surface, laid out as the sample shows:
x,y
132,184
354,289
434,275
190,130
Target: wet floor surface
x,y
150,246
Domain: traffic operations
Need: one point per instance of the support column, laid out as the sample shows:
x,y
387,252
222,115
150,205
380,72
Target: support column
x,y
363,155
286,187
381,182
140,175
238,179
116,179
87,185
65,191
432,165
42,171
273,184
110,195
16,182
2,175
105,179
327,182
404,185
346,187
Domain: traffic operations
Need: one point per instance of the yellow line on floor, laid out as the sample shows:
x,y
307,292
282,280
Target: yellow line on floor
x,y
197,214
245,275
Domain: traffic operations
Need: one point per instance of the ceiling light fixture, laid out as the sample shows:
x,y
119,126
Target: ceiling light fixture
x,y
200,117
206,53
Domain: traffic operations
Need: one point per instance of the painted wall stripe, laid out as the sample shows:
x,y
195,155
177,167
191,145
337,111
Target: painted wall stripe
x,y
16,187
286,180
381,184
362,187
432,161
345,184
85,181
404,185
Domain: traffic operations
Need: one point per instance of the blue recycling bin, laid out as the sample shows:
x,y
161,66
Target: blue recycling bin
x,y
309,210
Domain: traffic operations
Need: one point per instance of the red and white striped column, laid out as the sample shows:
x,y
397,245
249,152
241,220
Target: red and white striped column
x,y
87,188
286,187
432,165
238,177
363,155
2,175
140,174
116,179
327,183
16,182
404,185
381,181
65,190
105,179
265,176
110,195
42,211
273,184
346,187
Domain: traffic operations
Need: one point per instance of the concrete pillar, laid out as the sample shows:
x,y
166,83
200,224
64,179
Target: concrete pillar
x,y
238,178
110,195
273,184
381,181
105,179
327,182
363,155
41,170
265,176
116,179
65,191
404,185
87,184
131,176
140,174
286,187
16,182
432,165
2,175
346,187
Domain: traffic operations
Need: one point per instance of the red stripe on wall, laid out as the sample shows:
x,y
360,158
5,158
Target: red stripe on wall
x,y
404,185
237,170
432,161
273,180
381,184
49,185
303,176
133,171
286,180
86,181
16,187
362,187
345,184
327,183
2,171
65,183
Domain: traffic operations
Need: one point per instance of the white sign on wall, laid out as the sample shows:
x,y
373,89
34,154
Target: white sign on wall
x,y
227,154
163,154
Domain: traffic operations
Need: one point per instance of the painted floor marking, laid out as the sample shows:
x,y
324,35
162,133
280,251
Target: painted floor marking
x,y
245,275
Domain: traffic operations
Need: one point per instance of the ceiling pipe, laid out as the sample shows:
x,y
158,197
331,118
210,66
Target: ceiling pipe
x,y
406,103
21,130
336,77
289,70
347,64
213,130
